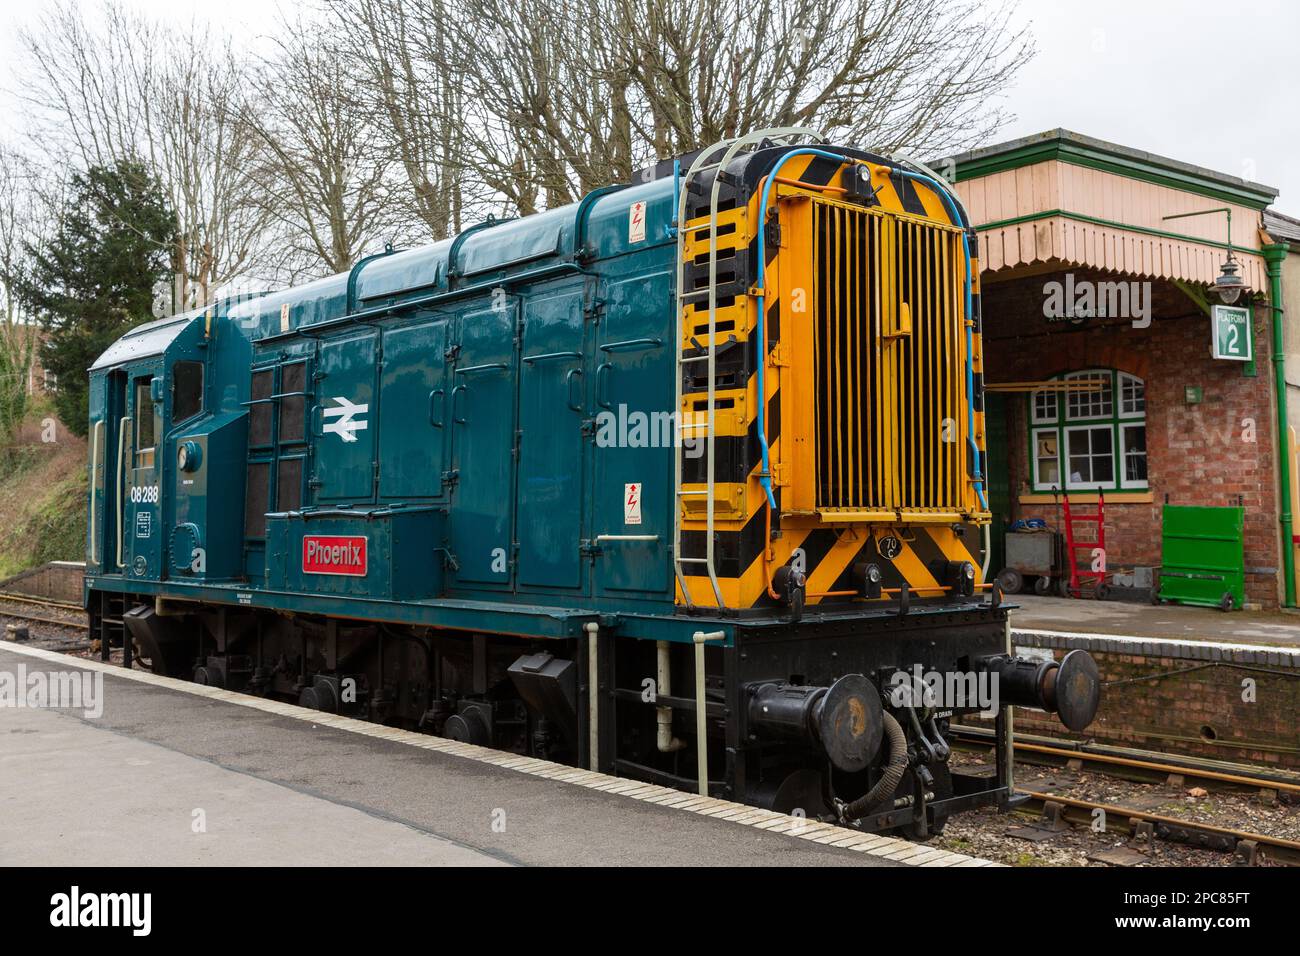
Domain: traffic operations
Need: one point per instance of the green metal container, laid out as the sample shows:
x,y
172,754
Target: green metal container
x,y
1203,556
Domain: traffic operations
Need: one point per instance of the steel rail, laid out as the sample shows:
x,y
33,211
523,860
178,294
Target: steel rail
x,y
29,616
1269,782
1164,827
43,602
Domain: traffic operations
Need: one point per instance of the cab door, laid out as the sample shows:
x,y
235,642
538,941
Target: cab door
x,y
142,530
109,425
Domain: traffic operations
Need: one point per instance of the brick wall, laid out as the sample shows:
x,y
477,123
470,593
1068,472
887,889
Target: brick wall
x,y
1196,454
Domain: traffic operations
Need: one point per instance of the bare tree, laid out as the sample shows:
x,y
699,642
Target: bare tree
x,y
15,205
402,119
399,55
110,85
556,97
916,75
549,95
25,219
321,179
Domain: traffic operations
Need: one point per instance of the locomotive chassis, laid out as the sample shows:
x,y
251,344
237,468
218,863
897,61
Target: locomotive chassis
x,y
237,640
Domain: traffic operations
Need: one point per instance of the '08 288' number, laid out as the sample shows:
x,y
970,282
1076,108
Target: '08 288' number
x,y
144,495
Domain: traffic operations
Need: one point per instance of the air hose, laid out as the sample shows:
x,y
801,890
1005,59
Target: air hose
x,y
889,780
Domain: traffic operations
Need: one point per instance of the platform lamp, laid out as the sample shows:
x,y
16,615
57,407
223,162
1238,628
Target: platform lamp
x,y
1228,284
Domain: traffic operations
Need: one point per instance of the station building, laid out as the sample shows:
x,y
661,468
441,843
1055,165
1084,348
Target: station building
x,y
1100,263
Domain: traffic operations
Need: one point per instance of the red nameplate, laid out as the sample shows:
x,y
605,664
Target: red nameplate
x,y
334,554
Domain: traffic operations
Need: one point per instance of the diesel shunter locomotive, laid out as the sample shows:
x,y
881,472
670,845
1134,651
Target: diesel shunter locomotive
x,y
682,482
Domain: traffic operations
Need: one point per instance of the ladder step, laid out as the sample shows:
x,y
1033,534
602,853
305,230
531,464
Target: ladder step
x,y
699,228
697,493
692,560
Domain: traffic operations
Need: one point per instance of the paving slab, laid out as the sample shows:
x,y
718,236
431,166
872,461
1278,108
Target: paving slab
x,y
273,783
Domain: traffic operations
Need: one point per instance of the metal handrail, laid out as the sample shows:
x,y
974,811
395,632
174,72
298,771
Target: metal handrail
x,y
121,478
95,437
729,149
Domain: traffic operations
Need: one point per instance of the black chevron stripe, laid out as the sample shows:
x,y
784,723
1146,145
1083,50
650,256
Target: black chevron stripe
x,y
930,554
821,171
891,577
907,194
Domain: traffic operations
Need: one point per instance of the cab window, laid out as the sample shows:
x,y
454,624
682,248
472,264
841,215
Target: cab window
x,y
145,423
187,390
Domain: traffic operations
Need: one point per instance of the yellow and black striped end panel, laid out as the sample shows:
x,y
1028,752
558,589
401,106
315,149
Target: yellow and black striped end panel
x,y
740,521
827,556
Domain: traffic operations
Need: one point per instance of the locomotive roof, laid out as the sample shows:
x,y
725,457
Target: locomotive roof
x,y
480,256
146,340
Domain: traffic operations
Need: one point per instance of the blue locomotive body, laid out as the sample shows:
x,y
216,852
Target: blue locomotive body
x,y
439,404
498,486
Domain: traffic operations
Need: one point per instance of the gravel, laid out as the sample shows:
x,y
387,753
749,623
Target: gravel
x,y
988,834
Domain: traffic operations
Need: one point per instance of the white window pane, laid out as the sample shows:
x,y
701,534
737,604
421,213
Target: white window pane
x,y
1045,407
1046,458
1135,454
1103,468
1091,455
1098,403
1133,395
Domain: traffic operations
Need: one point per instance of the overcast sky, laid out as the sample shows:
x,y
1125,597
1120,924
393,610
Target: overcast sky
x,y
1211,83
1208,82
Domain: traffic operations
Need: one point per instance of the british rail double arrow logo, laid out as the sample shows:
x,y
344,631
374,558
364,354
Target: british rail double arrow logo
x,y
345,424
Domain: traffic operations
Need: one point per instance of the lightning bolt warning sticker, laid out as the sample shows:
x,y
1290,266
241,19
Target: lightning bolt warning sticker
x,y
632,503
636,222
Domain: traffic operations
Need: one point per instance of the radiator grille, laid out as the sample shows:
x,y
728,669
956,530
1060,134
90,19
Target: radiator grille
x,y
889,354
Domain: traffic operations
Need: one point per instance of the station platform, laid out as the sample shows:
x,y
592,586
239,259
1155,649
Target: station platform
x,y
173,773
1154,623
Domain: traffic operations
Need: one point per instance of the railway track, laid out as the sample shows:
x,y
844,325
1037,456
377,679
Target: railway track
x,y
27,608
1060,809
1145,824
1137,765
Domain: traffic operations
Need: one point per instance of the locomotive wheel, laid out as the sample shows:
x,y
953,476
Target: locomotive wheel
x,y
798,790
210,676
